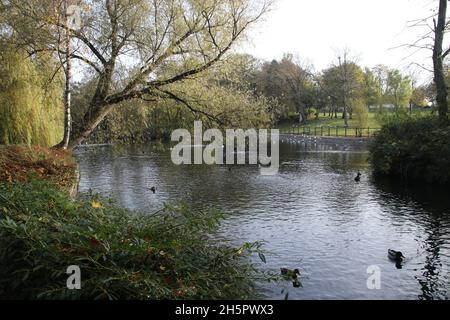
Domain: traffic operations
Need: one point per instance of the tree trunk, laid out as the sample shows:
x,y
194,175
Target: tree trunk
x,y
67,90
97,116
301,115
345,116
438,63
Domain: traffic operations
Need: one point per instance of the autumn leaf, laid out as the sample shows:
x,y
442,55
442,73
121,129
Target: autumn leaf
x,y
96,204
94,242
168,280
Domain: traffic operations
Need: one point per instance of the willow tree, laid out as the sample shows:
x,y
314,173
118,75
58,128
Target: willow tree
x,y
138,48
31,109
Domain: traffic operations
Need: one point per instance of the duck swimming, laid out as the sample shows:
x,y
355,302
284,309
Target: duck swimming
x,y
396,256
153,189
358,177
296,283
292,274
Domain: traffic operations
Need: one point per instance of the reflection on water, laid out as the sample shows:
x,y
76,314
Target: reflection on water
x,y
312,215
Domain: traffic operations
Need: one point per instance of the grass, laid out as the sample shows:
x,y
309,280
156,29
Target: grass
x,y
336,127
325,121
326,126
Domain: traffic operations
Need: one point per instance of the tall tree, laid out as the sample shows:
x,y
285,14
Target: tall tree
x,y
372,89
344,82
298,84
439,55
139,48
31,108
398,89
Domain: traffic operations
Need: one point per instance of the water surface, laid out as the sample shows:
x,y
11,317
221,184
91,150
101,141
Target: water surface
x,y
312,216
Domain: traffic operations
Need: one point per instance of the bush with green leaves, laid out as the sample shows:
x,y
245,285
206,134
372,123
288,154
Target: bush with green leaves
x,y
122,254
413,148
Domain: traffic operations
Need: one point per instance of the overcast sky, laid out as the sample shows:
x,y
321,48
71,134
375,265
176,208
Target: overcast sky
x,y
317,29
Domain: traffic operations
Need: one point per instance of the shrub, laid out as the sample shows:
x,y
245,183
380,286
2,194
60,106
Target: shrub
x,y
413,149
121,254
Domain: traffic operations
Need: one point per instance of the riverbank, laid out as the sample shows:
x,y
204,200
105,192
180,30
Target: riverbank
x,y
121,254
18,163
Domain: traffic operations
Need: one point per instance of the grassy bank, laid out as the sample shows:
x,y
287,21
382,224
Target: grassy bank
x,y
325,121
121,254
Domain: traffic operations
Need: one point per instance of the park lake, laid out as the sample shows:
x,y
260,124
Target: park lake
x,y
311,216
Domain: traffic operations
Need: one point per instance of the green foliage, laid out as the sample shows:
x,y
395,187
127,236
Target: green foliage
x,y
122,254
419,96
372,89
361,115
31,110
289,82
413,148
219,97
399,89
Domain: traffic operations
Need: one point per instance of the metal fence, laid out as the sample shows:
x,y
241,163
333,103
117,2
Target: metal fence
x,y
331,131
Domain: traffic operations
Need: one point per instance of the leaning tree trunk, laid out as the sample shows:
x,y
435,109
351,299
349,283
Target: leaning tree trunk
x,y
95,118
438,63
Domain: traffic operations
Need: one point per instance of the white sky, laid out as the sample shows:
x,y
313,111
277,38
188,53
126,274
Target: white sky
x,y
317,29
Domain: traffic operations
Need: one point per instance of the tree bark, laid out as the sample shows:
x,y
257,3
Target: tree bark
x,y
438,63
345,116
95,118
302,115
67,89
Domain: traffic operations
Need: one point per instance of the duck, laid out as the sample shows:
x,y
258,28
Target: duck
x,y
358,177
396,256
288,273
296,283
153,189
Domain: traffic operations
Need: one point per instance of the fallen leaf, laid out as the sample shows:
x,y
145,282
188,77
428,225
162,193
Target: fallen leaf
x,y
95,242
96,204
